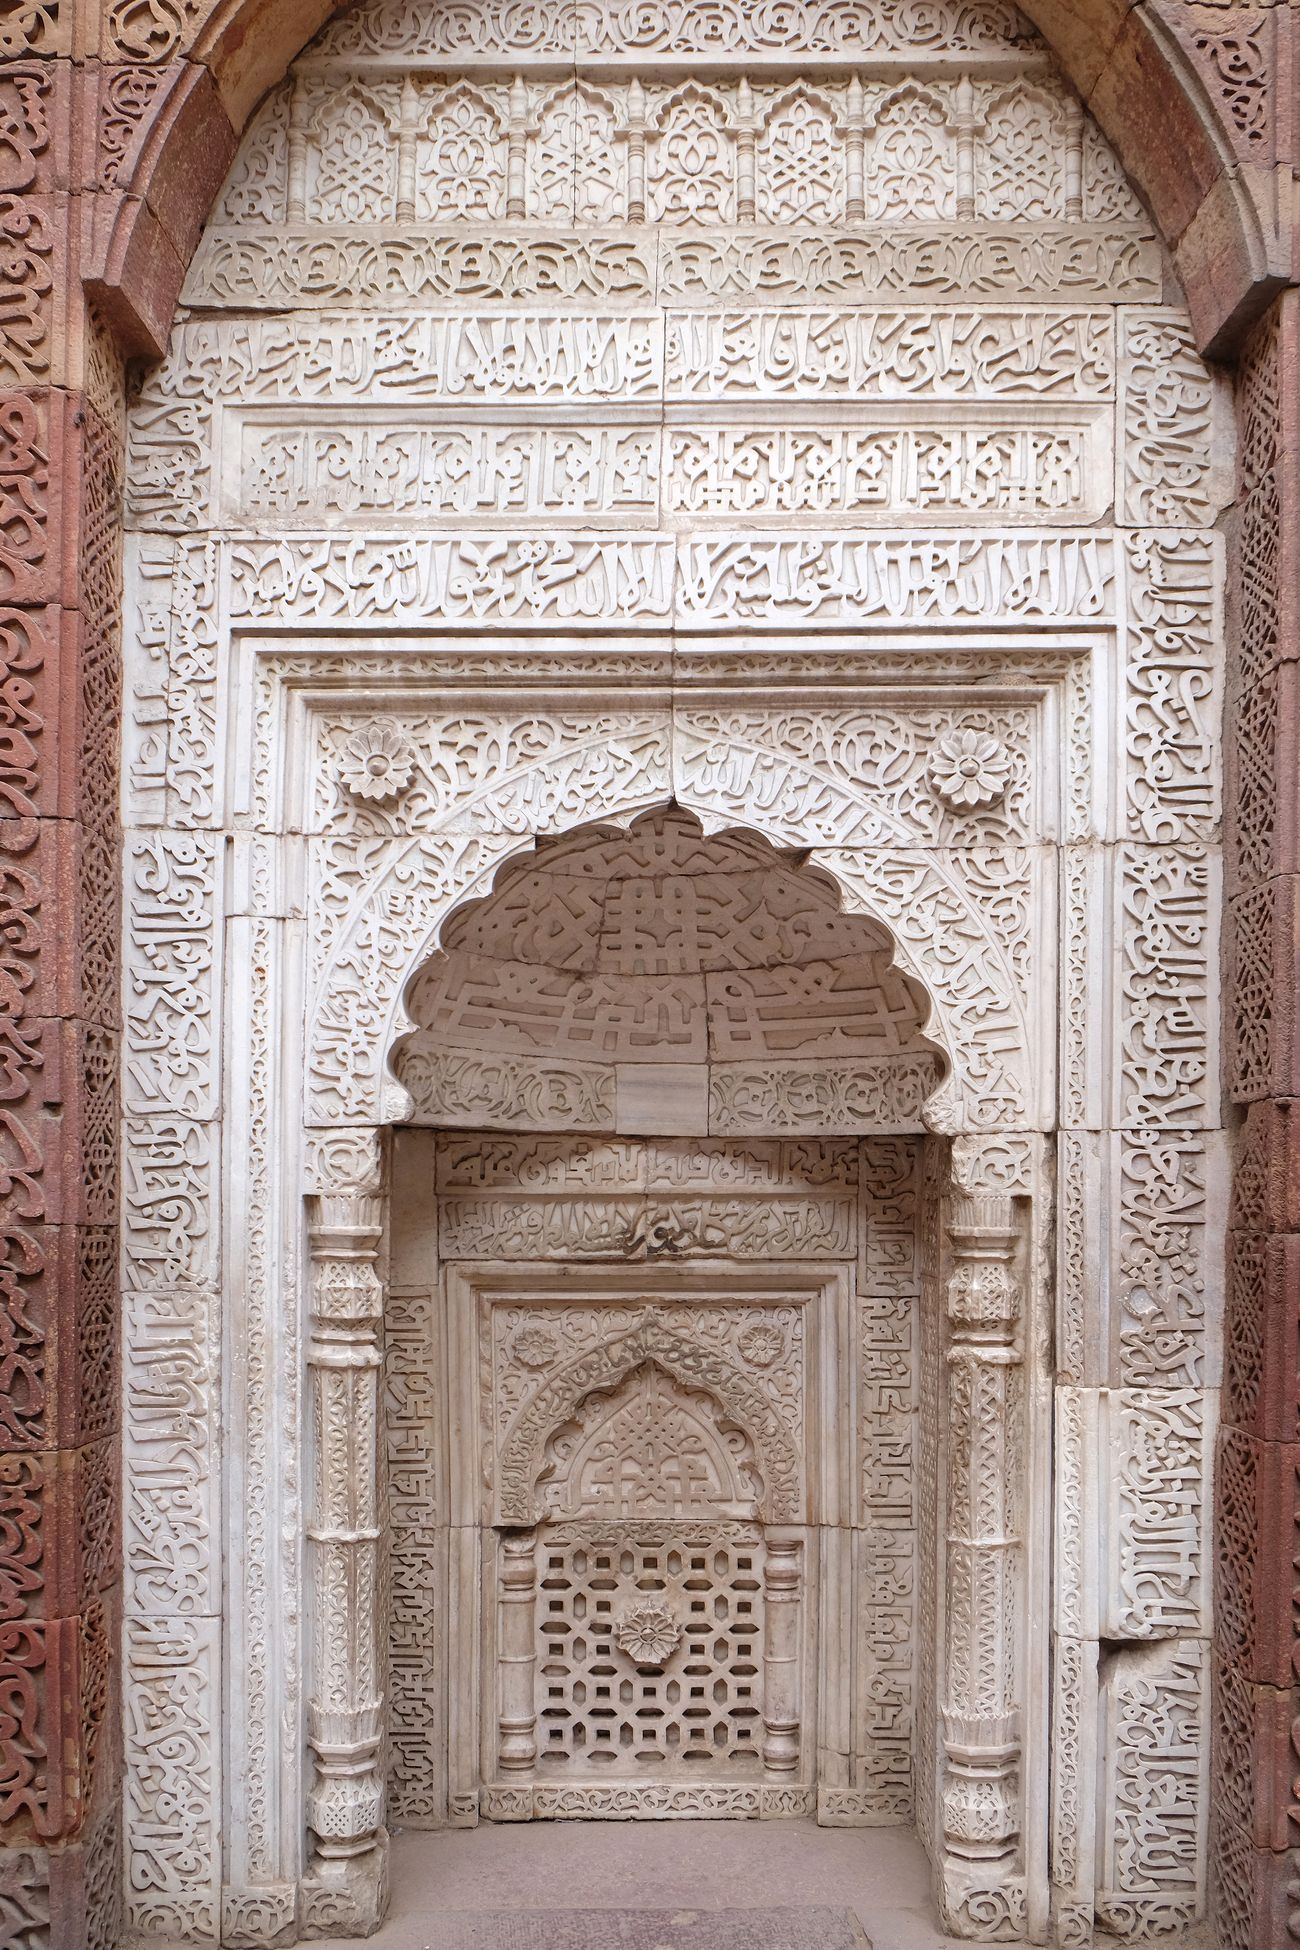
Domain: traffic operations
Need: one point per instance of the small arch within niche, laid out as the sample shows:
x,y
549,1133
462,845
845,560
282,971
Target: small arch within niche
x,y
647,1447
661,981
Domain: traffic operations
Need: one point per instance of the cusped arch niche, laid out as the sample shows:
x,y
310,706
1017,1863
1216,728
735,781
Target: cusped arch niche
x,y
952,925
649,1448
748,1464
659,979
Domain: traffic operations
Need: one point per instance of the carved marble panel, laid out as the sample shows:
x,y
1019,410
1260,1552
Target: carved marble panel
x,y
1133,1472
1155,1702
657,1429
173,1758
581,412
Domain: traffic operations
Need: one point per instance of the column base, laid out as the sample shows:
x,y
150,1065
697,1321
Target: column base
x,y
261,1916
347,1897
979,1904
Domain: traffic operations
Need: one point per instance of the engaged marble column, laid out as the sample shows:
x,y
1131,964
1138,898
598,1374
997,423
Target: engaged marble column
x,y
517,1657
980,1715
746,186
296,145
782,1591
965,123
408,130
345,1703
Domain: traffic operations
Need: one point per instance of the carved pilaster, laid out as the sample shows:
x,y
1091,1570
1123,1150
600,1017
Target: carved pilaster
x,y
746,181
345,1700
516,165
296,165
1073,160
406,137
855,153
517,1654
635,152
965,122
980,1891
782,1597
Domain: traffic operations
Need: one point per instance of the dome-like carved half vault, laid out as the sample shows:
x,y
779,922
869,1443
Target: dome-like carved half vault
x,y
658,980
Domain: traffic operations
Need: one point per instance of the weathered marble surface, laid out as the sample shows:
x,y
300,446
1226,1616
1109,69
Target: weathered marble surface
x,y
554,433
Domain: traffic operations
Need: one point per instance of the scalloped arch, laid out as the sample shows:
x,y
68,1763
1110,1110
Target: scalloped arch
x,y
801,91
940,939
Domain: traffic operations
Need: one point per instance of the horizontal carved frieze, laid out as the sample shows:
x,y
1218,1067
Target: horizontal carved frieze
x,y
870,1094
591,1165
1049,457
722,28
887,352
648,1227
301,469
627,1800
946,470
1038,261
651,580
515,1091
862,1808
287,266
394,144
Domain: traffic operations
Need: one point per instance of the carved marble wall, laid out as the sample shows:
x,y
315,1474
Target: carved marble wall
x,y
573,415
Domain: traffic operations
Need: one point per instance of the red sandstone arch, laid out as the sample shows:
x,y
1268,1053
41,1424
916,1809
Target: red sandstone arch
x,y
1176,97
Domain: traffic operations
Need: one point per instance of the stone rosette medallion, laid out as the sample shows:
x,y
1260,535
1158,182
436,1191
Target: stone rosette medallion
x,y
649,1635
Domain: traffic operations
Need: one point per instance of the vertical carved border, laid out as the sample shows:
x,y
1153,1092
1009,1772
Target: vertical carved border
x,y
981,1847
1255,1835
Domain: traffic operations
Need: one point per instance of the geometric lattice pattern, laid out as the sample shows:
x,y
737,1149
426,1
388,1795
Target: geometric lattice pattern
x,y
649,1651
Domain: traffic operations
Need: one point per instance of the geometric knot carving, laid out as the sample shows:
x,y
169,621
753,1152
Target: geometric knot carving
x,y
705,1438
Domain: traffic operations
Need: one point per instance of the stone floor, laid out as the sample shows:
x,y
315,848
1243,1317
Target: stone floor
x,y
474,1889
